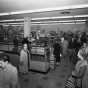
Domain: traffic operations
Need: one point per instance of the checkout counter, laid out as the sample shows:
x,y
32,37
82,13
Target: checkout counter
x,y
40,58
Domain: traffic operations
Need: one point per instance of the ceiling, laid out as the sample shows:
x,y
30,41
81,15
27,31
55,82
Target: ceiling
x,y
8,6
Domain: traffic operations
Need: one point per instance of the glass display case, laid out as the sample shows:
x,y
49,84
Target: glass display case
x,y
40,58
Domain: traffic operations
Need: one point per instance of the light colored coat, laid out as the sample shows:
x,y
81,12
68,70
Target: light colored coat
x,y
24,58
9,77
65,47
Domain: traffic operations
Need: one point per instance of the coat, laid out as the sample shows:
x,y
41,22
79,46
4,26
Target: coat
x,y
9,77
24,60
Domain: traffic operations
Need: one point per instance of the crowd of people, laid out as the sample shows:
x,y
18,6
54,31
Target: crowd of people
x,y
72,46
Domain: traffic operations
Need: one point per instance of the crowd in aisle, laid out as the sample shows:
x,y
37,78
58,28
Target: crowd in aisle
x,y
72,46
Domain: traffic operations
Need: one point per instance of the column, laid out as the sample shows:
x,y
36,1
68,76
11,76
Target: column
x,y
27,26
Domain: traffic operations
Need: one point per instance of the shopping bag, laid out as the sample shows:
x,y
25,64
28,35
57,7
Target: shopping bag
x,y
71,82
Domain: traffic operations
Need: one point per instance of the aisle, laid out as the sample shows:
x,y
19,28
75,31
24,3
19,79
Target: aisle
x,y
53,79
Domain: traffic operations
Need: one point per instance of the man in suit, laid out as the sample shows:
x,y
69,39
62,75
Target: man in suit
x,y
8,74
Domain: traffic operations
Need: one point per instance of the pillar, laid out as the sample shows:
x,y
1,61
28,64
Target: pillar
x,y
27,26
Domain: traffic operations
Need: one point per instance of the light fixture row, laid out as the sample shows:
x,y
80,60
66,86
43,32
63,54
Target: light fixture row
x,y
47,9
50,22
47,18
43,24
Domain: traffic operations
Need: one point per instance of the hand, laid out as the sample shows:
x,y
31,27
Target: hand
x,y
73,72
21,63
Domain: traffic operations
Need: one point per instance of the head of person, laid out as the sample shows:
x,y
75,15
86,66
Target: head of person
x,y
56,41
83,53
4,60
73,38
65,38
25,46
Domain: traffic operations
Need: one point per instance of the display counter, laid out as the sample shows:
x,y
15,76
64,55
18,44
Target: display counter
x,y
9,47
40,58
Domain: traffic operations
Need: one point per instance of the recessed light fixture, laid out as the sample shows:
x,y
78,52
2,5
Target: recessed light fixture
x,y
68,23
35,22
3,14
80,16
40,18
80,20
7,20
79,6
12,23
61,17
50,21
6,25
22,12
19,19
80,23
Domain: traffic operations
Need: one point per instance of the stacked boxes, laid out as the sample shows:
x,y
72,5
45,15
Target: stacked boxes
x,y
52,62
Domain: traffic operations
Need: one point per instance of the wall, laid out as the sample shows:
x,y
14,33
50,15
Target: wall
x,y
62,27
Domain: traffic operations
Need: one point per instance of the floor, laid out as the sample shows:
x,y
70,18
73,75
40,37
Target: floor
x,y
53,79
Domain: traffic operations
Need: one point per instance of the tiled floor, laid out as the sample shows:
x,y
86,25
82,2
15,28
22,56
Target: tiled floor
x,y
53,79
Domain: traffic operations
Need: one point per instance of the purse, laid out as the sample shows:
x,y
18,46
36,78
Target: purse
x,y
71,82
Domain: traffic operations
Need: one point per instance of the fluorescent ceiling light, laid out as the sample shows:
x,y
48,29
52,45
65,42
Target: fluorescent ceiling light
x,y
67,21
52,9
49,21
81,16
55,24
6,25
35,22
20,23
79,6
80,20
7,20
40,18
44,24
62,17
19,19
81,23
12,23
22,12
2,14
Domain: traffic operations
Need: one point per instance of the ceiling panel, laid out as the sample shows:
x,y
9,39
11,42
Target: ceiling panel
x,y
20,5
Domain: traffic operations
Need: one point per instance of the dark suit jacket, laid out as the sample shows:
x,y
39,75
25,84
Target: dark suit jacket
x,y
56,49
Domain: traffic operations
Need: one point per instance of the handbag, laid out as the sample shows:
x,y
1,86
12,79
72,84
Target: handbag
x,y
71,82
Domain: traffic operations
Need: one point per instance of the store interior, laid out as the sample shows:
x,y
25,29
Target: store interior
x,y
48,19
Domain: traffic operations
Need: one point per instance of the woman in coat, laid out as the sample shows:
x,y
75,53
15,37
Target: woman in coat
x,y
24,59
65,47
81,66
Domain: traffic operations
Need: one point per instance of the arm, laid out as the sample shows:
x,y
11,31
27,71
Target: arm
x,y
81,72
21,59
14,79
